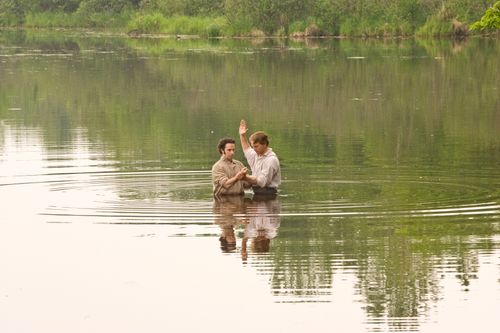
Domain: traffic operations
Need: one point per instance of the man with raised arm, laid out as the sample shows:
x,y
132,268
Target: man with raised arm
x,y
228,174
265,166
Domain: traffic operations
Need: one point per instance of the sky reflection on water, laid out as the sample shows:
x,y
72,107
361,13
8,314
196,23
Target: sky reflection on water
x,y
88,240
388,218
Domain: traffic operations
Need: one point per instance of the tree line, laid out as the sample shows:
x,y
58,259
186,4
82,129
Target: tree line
x,y
253,17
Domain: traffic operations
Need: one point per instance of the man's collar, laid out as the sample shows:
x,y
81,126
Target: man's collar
x,y
267,152
223,157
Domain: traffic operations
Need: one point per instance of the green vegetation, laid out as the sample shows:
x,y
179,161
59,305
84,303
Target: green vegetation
x,y
175,25
490,20
299,18
77,20
442,24
11,13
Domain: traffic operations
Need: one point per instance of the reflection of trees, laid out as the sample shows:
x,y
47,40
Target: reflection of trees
x,y
378,122
398,262
400,277
398,282
302,270
143,109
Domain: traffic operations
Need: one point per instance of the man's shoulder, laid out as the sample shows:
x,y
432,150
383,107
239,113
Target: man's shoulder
x,y
271,154
249,150
217,164
238,163
222,162
250,154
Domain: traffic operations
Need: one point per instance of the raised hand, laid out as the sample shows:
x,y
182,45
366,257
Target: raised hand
x,y
243,127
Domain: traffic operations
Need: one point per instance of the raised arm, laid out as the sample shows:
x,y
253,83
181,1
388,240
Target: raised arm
x,y
243,135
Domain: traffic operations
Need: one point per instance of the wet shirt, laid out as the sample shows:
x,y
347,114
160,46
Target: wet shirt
x,y
222,170
266,167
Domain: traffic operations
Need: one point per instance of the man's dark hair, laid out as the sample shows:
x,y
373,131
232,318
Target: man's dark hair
x,y
259,137
222,144
226,246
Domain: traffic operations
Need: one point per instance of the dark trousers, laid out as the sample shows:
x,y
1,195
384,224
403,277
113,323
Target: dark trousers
x,y
264,190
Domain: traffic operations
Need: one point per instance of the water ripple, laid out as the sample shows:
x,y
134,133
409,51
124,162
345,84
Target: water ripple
x,y
180,197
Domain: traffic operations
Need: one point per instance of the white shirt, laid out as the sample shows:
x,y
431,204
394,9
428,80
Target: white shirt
x,y
266,167
264,219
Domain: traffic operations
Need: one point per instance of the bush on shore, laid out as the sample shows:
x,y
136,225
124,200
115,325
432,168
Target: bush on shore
x,y
490,22
300,18
156,23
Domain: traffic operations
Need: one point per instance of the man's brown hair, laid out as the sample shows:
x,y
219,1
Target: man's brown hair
x,y
222,144
259,137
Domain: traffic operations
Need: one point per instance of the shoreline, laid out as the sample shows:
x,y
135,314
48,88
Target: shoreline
x,y
106,32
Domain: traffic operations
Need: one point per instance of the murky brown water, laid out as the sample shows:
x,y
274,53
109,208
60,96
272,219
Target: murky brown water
x,y
388,218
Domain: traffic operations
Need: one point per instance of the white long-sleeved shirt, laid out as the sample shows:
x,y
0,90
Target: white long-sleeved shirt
x,y
265,167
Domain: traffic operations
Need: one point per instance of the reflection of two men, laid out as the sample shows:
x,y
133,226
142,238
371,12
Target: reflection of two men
x,y
258,216
230,179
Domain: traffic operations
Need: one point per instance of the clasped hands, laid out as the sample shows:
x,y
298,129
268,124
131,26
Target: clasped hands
x,y
242,174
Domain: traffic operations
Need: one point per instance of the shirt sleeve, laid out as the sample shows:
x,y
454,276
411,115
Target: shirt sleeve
x,y
241,166
250,155
266,175
219,177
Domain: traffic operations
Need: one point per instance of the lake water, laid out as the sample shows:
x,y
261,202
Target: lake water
x,y
388,218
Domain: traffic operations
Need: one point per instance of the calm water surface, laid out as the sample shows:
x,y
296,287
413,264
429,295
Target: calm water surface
x,y
388,218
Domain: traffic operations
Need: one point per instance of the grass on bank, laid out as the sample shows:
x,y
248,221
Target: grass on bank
x,y
435,26
178,25
441,24
77,20
219,26
375,28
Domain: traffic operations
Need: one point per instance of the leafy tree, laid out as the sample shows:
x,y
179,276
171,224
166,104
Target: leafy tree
x,y
108,6
412,12
347,17
67,6
269,15
12,12
183,7
490,20
204,7
165,7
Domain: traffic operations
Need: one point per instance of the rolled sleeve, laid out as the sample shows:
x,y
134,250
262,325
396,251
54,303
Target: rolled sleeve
x,y
266,175
219,178
265,168
222,172
251,156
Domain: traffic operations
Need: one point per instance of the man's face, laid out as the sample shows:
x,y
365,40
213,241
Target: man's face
x,y
259,148
229,151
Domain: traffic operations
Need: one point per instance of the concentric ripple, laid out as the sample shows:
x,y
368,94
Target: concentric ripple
x,y
184,197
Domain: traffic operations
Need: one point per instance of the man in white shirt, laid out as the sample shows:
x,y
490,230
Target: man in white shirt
x,y
265,166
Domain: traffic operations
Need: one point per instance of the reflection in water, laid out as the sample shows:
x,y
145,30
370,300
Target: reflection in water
x,y
262,226
390,202
228,210
259,216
